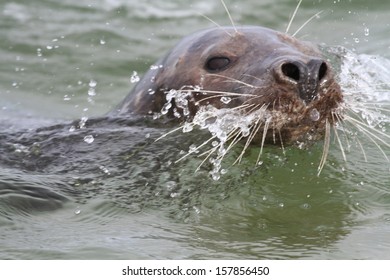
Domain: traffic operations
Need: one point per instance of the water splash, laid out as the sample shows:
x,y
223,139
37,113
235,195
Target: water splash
x,y
89,139
365,81
134,78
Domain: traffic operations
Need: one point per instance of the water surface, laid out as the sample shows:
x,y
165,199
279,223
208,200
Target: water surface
x,y
119,195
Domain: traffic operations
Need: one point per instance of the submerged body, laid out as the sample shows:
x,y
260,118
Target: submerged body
x,y
285,84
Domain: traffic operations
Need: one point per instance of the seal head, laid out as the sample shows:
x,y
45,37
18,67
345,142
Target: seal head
x,y
253,67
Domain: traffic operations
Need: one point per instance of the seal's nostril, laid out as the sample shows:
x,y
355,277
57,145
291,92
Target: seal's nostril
x,y
322,71
291,70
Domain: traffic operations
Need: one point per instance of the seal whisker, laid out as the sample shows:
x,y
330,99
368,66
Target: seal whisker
x,y
234,80
372,137
281,142
293,16
169,132
195,150
362,149
229,15
266,126
212,97
368,129
237,138
374,108
254,129
223,93
336,119
306,22
254,77
209,153
340,144
367,133
215,23
243,107
325,150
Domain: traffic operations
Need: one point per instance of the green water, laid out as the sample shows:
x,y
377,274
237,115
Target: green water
x,y
145,207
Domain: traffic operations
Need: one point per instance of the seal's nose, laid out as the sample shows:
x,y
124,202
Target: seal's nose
x,y
306,76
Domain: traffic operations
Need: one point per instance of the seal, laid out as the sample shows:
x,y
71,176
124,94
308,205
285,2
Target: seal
x,y
247,69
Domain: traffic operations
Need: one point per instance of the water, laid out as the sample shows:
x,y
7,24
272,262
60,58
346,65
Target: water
x,y
102,189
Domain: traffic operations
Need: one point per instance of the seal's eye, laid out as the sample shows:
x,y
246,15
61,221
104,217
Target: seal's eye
x,y
215,64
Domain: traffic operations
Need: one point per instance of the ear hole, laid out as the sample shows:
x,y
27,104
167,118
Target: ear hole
x,y
216,64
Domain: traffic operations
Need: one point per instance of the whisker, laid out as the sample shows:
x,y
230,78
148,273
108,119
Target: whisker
x,y
254,129
362,149
340,144
233,80
169,132
215,23
372,137
334,115
237,138
193,151
306,22
367,128
230,16
265,130
210,152
325,150
281,142
224,93
254,77
293,16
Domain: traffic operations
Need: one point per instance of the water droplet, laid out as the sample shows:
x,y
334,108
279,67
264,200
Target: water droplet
x,y
306,206
104,169
166,108
366,31
225,99
134,78
197,210
102,42
91,92
281,204
92,83
314,115
49,47
187,127
357,40
170,185
77,211
193,148
72,128
215,175
174,194
151,91
89,139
